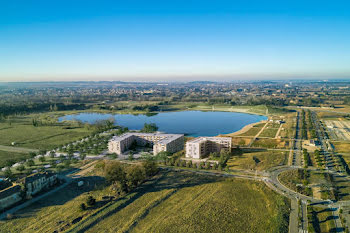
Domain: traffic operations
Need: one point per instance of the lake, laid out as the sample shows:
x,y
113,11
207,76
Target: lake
x,y
191,123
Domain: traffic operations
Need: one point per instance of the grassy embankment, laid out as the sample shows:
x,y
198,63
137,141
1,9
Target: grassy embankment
x,y
171,202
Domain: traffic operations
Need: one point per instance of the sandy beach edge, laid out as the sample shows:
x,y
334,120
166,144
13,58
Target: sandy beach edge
x,y
244,129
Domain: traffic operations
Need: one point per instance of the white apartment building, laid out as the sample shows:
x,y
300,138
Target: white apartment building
x,y
161,142
200,147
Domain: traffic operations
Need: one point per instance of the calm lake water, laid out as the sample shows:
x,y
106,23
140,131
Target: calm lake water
x,y
191,123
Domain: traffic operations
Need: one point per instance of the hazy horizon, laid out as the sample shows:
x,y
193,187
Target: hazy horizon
x,y
173,41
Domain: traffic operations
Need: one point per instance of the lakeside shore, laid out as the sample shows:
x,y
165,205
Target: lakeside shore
x,y
244,129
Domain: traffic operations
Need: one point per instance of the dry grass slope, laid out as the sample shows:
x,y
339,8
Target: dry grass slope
x,y
171,202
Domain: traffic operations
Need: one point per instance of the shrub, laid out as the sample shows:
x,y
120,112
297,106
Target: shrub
x,y
42,159
8,173
32,154
20,168
90,201
82,207
207,165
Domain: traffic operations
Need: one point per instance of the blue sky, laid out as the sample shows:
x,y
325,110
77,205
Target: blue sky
x,y
173,40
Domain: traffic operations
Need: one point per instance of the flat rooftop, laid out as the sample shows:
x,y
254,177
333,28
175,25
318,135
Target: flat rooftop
x,y
203,139
165,138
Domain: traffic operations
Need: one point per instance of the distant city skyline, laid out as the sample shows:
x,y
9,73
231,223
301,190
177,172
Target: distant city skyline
x,y
174,41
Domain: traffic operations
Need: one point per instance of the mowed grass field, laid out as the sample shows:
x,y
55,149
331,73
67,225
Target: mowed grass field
x,y
253,130
258,160
269,132
181,201
6,155
24,134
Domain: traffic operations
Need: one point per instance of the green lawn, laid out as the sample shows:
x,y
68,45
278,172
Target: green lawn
x,y
5,156
258,160
170,202
269,132
254,130
24,134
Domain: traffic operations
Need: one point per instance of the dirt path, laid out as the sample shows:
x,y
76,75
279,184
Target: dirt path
x,y
278,131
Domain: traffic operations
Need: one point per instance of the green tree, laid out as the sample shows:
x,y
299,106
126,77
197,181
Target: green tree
x,y
42,159
66,163
135,175
151,167
8,173
115,173
42,152
90,201
82,156
82,206
32,154
20,168
149,128
131,156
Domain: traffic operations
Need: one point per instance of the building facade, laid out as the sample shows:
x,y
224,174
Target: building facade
x,y
10,196
37,182
160,142
202,146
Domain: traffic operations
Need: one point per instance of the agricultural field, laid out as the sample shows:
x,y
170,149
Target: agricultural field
x,y
261,160
48,136
170,202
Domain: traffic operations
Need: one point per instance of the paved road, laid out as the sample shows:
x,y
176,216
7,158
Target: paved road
x,y
296,158
293,217
278,131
